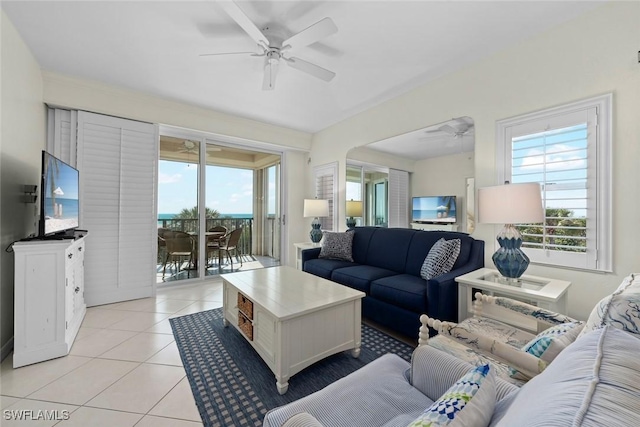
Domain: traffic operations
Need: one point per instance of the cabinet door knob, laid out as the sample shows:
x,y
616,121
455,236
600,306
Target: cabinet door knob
x,y
70,256
77,289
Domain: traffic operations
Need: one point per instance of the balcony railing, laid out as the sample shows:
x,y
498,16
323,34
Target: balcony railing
x,y
190,225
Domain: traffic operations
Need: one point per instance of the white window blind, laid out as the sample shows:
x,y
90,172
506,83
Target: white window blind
x,y
326,177
398,198
567,151
117,161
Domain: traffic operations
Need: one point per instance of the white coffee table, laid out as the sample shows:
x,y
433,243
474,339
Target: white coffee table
x,y
291,318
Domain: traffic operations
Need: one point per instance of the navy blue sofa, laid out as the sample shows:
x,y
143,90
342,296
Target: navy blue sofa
x,y
386,268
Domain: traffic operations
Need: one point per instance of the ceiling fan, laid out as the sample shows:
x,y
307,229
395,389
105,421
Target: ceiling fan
x,y
274,49
189,147
455,128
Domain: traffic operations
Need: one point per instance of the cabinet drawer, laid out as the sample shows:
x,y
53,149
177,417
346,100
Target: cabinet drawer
x,y
245,326
245,306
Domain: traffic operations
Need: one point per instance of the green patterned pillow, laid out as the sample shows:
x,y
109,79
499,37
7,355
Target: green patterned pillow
x,y
469,402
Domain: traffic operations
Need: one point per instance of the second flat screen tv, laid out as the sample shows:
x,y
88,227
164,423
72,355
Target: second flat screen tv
x,y
59,200
434,209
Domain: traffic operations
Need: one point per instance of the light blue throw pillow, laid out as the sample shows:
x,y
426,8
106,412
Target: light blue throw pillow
x,y
469,402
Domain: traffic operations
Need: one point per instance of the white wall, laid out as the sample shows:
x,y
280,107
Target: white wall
x,y
445,176
591,55
22,138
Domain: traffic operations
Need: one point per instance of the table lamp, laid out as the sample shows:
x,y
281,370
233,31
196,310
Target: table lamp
x,y
316,208
510,204
354,209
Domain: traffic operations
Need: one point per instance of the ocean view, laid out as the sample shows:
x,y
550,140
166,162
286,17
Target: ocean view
x,y
222,215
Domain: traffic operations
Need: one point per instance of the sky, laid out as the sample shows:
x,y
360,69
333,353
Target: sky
x,y
228,190
66,181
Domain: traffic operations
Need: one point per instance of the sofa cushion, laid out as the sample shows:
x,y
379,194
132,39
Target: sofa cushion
x,y
402,290
337,246
620,309
360,276
440,259
361,241
593,382
324,267
388,248
469,402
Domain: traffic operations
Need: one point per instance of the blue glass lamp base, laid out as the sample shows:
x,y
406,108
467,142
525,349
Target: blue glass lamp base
x,y
510,261
315,234
351,222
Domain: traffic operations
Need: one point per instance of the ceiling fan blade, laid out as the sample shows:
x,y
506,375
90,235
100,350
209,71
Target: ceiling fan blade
x,y
234,11
312,34
309,68
208,55
270,73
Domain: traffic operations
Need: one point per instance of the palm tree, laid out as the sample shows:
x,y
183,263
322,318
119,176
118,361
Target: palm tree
x,y
193,213
448,202
187,218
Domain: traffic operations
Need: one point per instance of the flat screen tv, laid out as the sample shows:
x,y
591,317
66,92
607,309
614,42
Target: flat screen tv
x,y
434,209
59,201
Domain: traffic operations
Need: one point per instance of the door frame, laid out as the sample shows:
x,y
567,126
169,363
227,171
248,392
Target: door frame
x,y
232,142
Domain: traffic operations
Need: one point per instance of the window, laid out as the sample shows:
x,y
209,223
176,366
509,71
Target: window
x,y
326,188
568,151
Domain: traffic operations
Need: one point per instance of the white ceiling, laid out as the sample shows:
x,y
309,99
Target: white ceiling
x,y
381,49
454,136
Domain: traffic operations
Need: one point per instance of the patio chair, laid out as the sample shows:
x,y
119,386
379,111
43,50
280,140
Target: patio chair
x,y
179,246
230,244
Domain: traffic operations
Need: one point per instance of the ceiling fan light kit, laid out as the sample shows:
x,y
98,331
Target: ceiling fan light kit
x,y
276,49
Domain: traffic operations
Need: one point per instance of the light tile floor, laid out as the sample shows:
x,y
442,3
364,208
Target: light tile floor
x,y
123,370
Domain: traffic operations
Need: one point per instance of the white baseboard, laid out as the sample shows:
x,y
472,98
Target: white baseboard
x,y
6,349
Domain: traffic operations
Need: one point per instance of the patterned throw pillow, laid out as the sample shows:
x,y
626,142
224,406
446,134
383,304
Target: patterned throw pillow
x,y
337,245
621,309
549,343
440,259
469,402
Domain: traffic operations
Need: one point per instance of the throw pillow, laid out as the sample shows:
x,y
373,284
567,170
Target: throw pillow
x,y
440,259
337,245
620,309
549,343
469,402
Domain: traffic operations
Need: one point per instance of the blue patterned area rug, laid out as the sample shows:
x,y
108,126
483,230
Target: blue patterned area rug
x,y
231,384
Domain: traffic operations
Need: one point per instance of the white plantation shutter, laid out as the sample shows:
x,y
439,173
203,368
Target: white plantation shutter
x,y
61,134
398,198
567,151
326,188
117,161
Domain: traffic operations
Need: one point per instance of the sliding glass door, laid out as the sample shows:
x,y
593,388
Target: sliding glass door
x,y
227,201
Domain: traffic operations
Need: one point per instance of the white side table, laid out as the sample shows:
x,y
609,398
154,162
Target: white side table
x,y
299,248
539,291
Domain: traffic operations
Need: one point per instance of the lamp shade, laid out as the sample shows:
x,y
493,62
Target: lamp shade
x,y
316,208
510,204
354,208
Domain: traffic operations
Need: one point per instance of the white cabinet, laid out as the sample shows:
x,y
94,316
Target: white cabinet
x,y
434,227
49,298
